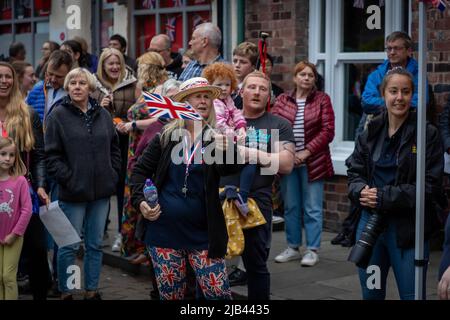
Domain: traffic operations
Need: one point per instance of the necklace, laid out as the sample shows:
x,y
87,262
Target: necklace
x,y
188,160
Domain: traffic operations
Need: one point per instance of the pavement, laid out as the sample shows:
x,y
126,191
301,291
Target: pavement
x,y
333,278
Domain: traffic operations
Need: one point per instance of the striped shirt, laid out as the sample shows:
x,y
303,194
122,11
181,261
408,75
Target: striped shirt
x,y
195,69
299,126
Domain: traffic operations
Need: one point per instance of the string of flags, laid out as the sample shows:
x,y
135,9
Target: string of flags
x,y
439,4
151,4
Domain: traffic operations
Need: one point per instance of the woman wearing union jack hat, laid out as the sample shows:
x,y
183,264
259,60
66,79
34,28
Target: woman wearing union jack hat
x,y
188,223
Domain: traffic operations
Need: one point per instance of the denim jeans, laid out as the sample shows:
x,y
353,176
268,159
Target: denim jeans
x,y
302,206
386,254
93,215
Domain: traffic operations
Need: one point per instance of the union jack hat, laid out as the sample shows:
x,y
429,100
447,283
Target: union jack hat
x,y
194,85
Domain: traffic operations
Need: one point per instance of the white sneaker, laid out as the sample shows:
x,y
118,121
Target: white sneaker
x,y
277,219
310,259
117,245
288,255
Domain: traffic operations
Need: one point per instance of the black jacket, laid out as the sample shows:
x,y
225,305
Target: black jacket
x,y
174,69
85,164
35,160
444,125
398,200
154,163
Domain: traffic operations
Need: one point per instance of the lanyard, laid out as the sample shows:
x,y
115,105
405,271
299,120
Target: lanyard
x,y
4,133
188,160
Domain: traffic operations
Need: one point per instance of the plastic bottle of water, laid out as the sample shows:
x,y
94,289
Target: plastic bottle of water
x,y
150,193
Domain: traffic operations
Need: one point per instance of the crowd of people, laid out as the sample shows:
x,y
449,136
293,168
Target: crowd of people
x,y
76,129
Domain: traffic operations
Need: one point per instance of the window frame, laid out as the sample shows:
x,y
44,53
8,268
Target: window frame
x,y
184,9
334,61
13,22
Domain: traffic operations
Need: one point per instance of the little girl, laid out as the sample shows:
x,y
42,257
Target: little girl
x,y
231,122
15,213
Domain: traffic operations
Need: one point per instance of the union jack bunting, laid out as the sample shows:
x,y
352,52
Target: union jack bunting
x,y
149,4
171,28
177,3
360,4
163,107
440,4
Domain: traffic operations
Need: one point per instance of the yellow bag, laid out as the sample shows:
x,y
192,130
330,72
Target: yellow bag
x,y
236,223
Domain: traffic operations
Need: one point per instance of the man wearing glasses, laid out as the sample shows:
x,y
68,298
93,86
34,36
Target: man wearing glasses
x,y
398,49
173,60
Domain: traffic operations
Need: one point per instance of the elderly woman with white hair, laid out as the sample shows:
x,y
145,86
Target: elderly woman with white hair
x,y
188,222
83,155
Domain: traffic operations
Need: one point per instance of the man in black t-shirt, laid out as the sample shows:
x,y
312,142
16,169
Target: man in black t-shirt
x,y
270,141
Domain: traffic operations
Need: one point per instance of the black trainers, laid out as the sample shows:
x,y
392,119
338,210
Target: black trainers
x,y
338,239
237,278
347,242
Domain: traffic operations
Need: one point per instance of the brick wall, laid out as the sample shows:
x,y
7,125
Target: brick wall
x,y
438,36
336,203
287,23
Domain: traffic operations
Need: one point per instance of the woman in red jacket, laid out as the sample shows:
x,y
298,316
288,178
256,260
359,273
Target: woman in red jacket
x,y
311,115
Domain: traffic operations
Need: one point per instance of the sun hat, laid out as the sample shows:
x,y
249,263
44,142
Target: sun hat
x,y
194,85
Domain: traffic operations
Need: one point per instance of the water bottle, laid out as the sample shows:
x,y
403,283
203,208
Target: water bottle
x,y
150,193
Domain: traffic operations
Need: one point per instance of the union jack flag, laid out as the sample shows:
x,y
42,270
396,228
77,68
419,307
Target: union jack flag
x,y
177,3
440,4
149,4
171,27
163,107
197,20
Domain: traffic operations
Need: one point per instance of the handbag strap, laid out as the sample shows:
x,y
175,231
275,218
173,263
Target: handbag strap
x,y
27,165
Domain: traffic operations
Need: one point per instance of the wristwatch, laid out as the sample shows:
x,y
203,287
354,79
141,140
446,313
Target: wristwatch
x,y
133,125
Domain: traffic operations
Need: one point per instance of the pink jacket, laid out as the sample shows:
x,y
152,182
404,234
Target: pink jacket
x,y
228,117
15,206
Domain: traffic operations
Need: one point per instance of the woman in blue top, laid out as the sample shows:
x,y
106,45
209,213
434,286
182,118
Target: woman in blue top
x,y
188,222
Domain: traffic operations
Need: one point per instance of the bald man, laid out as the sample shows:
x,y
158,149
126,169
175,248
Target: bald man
x,y
161,44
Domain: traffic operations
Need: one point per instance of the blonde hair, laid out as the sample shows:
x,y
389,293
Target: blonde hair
x,y
78,72
257,74
18,118
101,73
18,168
151,71
180,124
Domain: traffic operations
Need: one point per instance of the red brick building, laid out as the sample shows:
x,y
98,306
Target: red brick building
x,y
335,35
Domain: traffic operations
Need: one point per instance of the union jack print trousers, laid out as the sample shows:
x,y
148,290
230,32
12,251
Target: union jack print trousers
x,y
170,271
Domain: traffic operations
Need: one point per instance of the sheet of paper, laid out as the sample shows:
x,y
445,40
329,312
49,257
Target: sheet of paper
x,y
58,225
446,162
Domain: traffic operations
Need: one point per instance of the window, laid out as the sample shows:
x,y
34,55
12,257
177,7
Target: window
x,y
25,21
176,18
346,51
